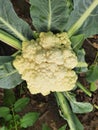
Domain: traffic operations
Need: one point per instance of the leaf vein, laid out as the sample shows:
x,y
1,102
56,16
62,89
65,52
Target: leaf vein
x,y
13,29
49,16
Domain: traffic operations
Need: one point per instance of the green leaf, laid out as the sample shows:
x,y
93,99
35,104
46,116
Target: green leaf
x,y
8,117
90,26
78,107
77,42
81,59
17,117
63,127
4,59
81,107
81,55
92,74
9,77
20,104
93,87
3,128
45,127
9,97
4,111
29,119
50,15
11,23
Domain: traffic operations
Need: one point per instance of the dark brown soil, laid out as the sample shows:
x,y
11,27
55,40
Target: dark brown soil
x,y
47,106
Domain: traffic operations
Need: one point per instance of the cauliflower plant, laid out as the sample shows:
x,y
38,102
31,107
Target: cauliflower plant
x,y
47,62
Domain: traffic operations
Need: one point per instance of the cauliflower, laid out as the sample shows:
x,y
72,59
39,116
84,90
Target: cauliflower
x,y
47,62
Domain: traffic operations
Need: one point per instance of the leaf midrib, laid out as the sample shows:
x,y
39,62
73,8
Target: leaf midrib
x,y
8,74
49,16
19,35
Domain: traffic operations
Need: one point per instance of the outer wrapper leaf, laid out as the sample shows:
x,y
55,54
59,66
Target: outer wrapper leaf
x,y
90,26
50,14
78,107
5,59
11,23
92,74
77,42
9,77
81,59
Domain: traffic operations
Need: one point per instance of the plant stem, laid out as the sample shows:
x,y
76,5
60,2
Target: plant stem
x,y
82,19
66,110
84,89
96,58
96,106
14,119
10,40
16,53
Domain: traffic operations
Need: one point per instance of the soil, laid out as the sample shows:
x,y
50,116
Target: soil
x,y
47,105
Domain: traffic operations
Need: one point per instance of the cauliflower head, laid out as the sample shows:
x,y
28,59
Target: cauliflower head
x,y
46,63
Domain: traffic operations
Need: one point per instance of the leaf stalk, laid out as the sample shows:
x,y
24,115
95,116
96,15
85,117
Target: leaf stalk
x,y
82,19
10,40
66,110
84,89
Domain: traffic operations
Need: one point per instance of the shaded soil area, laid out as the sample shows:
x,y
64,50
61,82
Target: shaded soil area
x,y
47,106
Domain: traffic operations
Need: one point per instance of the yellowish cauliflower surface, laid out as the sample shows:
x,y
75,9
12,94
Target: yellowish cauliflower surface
x,y
47,62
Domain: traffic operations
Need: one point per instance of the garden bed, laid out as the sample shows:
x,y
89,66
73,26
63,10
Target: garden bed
x,y
46,105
